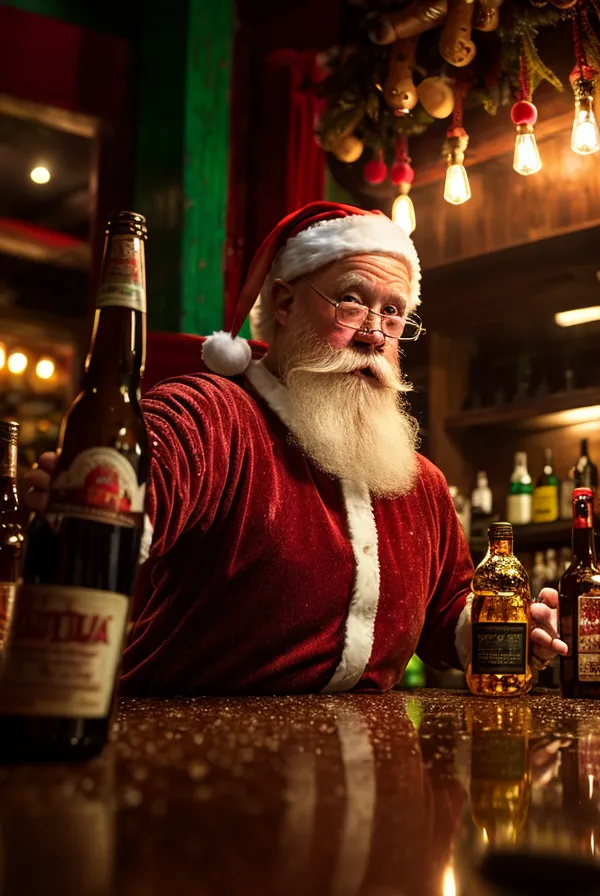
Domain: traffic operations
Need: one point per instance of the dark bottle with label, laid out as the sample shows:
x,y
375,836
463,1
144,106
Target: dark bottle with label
x,y
579,606
500,618
71,611
11,531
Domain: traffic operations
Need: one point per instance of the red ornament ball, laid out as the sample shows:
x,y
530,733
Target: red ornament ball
x,y
401,173
523,112
375,171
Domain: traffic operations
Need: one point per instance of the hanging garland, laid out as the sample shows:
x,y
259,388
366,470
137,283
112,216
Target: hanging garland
x,y
403,70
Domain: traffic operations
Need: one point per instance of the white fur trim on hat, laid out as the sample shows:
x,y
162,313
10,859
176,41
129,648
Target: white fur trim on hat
x,y
338,238
224,355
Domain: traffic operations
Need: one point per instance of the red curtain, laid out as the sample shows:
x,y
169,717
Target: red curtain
x,y
305,179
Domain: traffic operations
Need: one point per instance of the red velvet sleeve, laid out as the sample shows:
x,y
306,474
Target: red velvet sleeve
x,y
191,423
437,645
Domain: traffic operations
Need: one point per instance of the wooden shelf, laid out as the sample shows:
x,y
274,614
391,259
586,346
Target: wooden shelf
x,y
548,412
532,537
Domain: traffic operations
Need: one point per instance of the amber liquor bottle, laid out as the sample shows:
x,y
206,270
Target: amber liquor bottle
x,y
63,652
500,616
579,606
11,531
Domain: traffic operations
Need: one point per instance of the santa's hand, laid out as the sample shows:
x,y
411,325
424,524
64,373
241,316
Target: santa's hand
x,y
545,642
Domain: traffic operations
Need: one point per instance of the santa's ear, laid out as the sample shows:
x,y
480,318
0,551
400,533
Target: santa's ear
x,y
282,300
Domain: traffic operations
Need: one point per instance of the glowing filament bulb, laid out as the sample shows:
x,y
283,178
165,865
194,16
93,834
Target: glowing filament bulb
x,y
585,138
457,188
403,213
527,155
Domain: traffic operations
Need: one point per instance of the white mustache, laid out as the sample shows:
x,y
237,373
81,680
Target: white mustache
x,y
323,359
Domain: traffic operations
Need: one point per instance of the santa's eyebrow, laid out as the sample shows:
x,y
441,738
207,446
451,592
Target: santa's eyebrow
x,y
353,280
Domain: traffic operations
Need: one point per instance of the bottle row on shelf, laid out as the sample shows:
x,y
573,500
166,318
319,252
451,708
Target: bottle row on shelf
x,y
530,376
546,501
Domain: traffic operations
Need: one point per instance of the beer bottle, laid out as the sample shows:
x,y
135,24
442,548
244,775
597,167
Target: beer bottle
x,y
500,614
579,606
11,532
63,652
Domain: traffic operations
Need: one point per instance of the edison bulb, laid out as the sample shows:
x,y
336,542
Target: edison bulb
x,y
403,213
585,139
527,155
457,188
17,362
45,368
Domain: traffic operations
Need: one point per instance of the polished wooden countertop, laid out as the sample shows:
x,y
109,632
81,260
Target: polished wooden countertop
x,y
403,794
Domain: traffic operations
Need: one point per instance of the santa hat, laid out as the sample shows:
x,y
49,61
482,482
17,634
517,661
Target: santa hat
x,y
305,241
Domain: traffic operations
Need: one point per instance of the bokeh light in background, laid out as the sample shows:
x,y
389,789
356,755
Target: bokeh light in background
x,y
40,175
17,362
2,355
45,368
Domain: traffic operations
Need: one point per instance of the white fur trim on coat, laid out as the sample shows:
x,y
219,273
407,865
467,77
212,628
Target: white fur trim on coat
x,y
224,355
360,622
339,238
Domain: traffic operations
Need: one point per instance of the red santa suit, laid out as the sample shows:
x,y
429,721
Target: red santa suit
x,y
269,576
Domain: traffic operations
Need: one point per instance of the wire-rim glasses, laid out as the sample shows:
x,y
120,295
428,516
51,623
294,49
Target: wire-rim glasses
x,y
354,317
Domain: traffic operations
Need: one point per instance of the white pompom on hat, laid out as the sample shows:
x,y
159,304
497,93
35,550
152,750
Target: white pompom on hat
x,y
300,244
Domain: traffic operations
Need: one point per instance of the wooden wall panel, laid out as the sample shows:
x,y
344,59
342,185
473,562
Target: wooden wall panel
x,y
507,209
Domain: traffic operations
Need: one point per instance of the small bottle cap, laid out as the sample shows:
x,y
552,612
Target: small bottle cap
x,y
498,531
9,431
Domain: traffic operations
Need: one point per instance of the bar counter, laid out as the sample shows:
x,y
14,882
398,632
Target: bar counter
x,y
403,794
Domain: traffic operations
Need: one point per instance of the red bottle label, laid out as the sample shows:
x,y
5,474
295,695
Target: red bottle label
x,y
588,637
99,485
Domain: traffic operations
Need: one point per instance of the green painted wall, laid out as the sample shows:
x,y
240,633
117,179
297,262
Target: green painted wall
x,y
206,158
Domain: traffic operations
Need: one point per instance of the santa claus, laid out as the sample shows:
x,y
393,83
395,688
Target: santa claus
x,y
300,541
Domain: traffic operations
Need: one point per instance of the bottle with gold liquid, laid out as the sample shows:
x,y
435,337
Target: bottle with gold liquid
x,y
500,788
500,663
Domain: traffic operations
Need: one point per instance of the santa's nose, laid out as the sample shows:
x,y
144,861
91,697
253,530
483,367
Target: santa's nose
x,y
369,336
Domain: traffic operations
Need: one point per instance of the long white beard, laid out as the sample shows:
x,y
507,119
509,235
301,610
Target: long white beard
x,y
353,427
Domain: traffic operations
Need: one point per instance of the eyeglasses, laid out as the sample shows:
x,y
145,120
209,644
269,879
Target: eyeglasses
x,y
355,316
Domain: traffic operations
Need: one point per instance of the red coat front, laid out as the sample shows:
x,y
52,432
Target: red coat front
x,y
268,576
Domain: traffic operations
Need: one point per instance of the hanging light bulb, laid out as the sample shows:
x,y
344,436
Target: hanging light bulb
x,y
457,188
527,155
402,175
524,116
585,138
403,212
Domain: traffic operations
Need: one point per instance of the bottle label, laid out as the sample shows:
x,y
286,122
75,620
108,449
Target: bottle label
x,y
7,598
63,652
123,281
519,509
588,637
99,485
499,647
545,504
